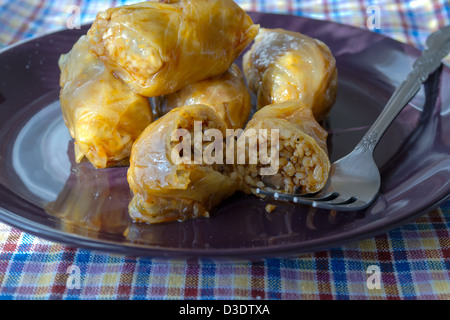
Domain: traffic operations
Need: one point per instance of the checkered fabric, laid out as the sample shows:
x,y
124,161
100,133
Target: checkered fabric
x,y
410,262
406,21
413,262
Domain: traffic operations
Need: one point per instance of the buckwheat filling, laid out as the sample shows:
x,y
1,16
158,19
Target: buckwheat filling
x,y
302,166
203,153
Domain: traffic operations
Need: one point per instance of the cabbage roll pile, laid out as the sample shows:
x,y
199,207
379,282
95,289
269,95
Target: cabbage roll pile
x,y
181,55
103,115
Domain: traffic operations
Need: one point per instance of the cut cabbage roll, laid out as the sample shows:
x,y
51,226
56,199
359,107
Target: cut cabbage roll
x,y
168,180
158,47
102,113
283,65
303,163
227,94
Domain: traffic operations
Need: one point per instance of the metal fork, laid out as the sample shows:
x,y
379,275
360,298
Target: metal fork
x,y
354,180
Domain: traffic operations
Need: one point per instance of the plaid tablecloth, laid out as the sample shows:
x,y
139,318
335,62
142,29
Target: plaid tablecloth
x,y
413,261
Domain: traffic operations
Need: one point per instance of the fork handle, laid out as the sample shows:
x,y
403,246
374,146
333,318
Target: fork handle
x,y
438,46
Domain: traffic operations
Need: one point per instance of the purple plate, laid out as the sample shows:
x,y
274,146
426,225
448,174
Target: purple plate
x,y
45,193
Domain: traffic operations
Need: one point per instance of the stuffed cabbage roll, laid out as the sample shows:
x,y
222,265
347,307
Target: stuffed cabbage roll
x,y
102,113
170,176
227,94
283,65
303,163
158,47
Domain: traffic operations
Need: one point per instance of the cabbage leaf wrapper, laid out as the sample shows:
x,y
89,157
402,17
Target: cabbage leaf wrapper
x,y
103,115
167,183
283,65
159,47
227,94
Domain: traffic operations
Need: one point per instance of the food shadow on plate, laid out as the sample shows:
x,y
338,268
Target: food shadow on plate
x,y
243,220
93,201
